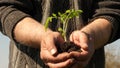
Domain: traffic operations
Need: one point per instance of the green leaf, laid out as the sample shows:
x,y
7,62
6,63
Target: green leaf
x,y
59,14
49,19
68,11
54,15
64,19
60,29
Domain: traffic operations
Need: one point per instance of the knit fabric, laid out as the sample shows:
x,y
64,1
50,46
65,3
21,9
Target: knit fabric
x,y
12,11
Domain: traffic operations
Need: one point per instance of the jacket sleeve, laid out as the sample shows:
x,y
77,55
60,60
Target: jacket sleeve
x,y
110,10
11,12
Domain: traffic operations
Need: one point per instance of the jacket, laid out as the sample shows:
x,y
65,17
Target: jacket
x,y
12,11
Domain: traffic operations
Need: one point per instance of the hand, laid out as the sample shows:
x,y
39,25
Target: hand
x,y
85,42
49,53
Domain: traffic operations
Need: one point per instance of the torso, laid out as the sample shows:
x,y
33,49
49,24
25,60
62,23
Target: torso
x,y
25,57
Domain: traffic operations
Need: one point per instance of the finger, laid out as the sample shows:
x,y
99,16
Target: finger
x,y
74,38
87,43
64,64
84,41
71,37
47,57
80,38
59,38
48,44
79,55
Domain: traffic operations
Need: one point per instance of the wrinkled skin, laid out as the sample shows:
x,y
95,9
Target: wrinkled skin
x,y
85,42
49,52
74,59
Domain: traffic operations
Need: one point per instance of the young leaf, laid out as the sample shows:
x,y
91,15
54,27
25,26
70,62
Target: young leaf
x,y
60,29
67,11
49,19
54,15
64,18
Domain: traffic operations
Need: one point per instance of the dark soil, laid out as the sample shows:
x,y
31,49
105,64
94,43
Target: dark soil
x,y
67,47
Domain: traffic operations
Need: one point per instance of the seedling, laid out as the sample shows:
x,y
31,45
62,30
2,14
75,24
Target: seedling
x,y
64,20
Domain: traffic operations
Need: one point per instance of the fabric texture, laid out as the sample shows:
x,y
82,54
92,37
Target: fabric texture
x,y
12,11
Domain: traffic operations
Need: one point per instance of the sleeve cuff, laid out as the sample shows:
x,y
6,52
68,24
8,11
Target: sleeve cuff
x,y
115,27
10,22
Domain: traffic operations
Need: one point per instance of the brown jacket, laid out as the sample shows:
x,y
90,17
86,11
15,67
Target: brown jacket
x,y
12,11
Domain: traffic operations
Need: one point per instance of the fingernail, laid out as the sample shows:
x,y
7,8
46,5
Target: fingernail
x,y
53,51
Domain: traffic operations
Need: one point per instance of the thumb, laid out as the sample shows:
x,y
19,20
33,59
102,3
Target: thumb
x,y
52,47
48,45
53,51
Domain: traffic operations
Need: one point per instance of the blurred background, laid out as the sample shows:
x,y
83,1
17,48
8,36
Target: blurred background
x,y
4,51
112,53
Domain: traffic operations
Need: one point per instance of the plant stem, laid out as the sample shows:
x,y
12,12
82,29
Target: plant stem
x,y
65,26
